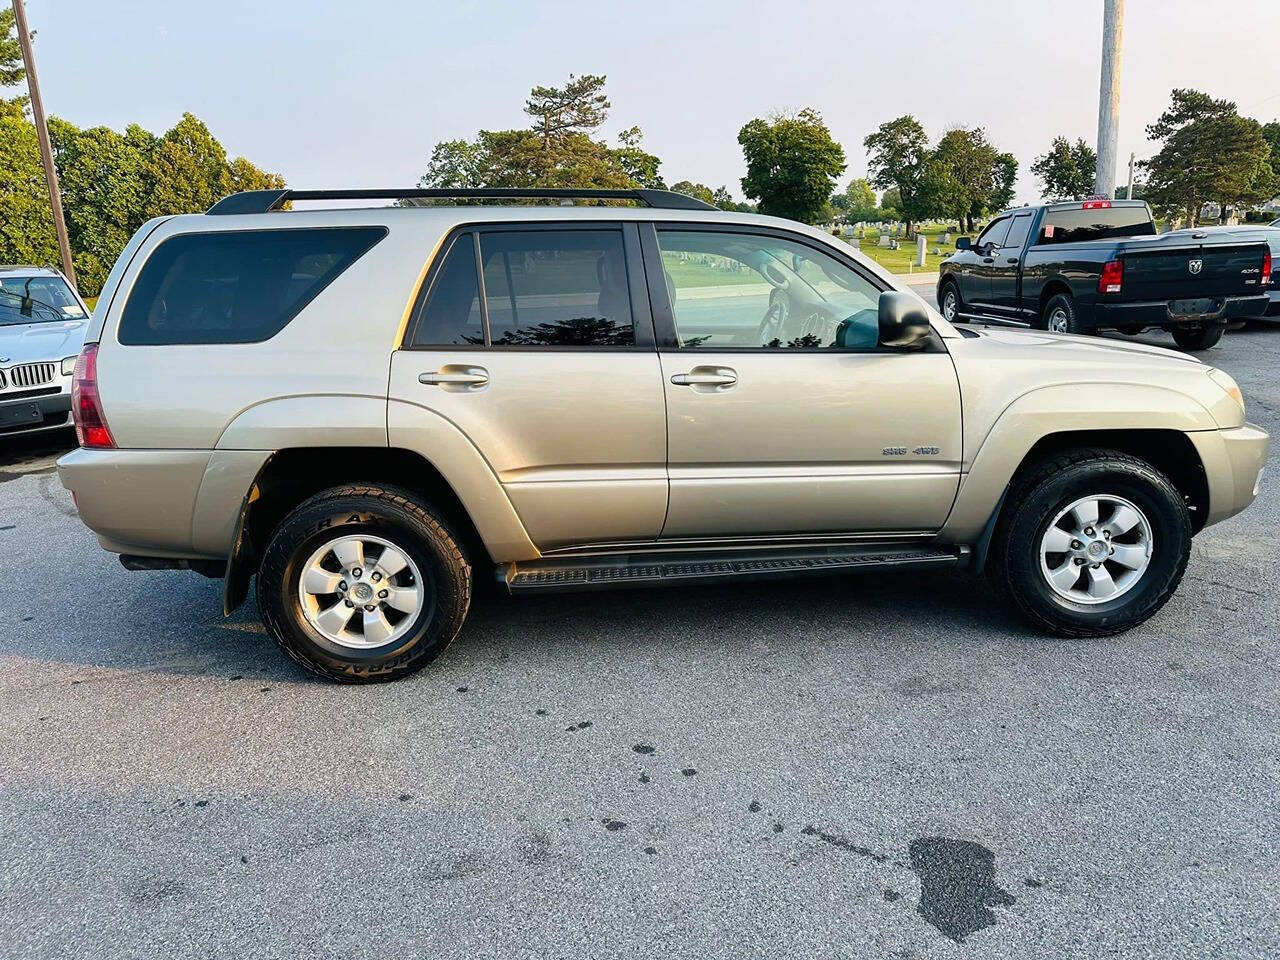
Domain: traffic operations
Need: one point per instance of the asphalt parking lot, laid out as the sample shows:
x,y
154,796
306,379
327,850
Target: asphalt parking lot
x,y
862,767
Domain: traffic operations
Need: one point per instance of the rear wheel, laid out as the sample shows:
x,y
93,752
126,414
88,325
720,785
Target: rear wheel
x,y
1059,315
1197,338
1096,542
363,584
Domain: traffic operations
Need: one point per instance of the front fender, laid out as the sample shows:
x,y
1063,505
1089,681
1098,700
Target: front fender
x,y
1062,408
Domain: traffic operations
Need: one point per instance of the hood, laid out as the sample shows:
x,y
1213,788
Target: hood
x,y
45,340
1040,344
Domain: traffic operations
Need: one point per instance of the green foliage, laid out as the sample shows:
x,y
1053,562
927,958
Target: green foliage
x,y
111,184
26,225
898,159
858,202
968,177
1271,133
558,151
1067,171
11,70
719,197
792,165
1208,153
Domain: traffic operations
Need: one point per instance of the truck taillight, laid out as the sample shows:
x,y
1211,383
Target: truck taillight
x,y
1112,277
1266,269
86,404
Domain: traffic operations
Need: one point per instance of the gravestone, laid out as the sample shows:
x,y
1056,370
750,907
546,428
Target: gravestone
x,y
920,242
884,240
893,244
946,237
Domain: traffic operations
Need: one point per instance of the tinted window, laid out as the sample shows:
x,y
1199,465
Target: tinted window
x,y
236,287
1071,225
452,313
1018,231
557,288
995,233
742,290
36,300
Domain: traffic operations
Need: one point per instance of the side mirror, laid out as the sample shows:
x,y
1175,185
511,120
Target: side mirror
x,y
962,243
904,325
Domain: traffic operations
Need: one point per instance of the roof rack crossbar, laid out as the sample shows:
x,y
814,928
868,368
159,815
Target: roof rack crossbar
x,y
264,201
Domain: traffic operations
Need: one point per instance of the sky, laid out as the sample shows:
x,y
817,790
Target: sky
x,y
356,94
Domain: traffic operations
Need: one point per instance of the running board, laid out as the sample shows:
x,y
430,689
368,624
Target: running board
x,y
650,570
998,321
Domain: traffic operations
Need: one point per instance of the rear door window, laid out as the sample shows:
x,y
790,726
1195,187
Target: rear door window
x,y
1018,231
1099,223
240,286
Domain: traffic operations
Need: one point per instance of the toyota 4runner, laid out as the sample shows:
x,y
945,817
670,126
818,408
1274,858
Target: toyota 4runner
x,y
369,408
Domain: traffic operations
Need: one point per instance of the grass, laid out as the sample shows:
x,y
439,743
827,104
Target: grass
x,y
91,302
901,260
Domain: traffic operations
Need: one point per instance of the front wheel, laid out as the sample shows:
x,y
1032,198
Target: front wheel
x,y
1095,543
362,584
949,303
1197,338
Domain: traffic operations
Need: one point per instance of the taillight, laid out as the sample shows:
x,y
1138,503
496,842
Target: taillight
x,y
86,404
1266,269
1112,277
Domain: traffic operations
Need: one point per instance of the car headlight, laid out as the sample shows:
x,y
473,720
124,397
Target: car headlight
x,y
68,366
1228,384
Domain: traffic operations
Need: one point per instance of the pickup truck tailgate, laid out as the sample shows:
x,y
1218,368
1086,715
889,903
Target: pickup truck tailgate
x,y
1157,270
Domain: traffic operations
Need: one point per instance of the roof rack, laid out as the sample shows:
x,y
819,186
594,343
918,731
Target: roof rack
x,y
264,201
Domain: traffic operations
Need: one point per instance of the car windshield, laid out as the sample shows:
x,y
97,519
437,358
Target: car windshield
x,y
36,300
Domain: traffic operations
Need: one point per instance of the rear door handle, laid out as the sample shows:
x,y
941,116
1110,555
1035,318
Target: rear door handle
x,y
1013,261
706,377
457,376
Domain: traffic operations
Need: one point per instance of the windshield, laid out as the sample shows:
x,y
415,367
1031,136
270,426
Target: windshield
x,y
37,300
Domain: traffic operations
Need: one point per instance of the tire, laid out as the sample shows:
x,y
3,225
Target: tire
x,y
1037,499
949,298
435,581
1197,338
1059,315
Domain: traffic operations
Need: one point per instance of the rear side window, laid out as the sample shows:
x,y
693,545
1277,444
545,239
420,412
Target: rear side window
x,y
563,288
1018,231
1100,223
239,286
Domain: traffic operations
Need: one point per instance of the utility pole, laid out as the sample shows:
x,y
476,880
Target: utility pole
x,y
42,131
1128,194
1104,182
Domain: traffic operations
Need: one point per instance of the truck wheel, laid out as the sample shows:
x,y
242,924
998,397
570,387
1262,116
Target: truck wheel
x,y
1197,338
363,584
1059,315
949,302
1095,543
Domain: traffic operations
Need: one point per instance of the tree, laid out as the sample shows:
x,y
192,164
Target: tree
x,y
1271,133
1066,172
792,164
858,202
26,225
11,70
1208,153
1006,176
558,151
580,106
968,177
898,158
698,191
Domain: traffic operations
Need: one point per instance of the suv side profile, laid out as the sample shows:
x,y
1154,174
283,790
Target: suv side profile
x,y
367,409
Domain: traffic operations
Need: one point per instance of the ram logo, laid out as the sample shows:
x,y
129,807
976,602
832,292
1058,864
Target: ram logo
x,y
1195,266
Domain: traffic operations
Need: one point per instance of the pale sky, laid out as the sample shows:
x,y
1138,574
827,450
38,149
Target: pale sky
x,y
356,94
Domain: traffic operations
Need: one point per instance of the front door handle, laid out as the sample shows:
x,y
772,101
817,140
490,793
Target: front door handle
x,y
455,375
706,377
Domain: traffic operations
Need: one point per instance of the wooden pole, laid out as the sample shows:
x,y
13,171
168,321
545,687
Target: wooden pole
x,y
1104,183
42,132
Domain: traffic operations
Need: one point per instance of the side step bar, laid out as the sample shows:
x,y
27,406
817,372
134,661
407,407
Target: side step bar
x,y
997,321
653,570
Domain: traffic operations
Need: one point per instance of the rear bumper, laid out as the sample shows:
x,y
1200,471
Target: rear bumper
x,y
46,413
1156,313
1233,461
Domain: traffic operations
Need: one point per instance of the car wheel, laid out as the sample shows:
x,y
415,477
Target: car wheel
x,y
363,584
949,302
1095,543
1060,316
1197,338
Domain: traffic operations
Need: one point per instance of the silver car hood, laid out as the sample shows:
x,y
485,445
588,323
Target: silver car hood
x,y
1083,347
44,340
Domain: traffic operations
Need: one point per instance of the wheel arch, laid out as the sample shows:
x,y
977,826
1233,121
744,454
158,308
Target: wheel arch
x,y
1053,286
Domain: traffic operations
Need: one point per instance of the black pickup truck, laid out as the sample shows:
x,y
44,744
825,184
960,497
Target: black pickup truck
x,y
1096,264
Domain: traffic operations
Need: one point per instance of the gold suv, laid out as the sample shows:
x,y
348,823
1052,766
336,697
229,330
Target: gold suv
x,y
369,407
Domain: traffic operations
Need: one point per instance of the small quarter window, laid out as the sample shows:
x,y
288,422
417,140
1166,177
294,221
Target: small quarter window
x,y
240,286
452,313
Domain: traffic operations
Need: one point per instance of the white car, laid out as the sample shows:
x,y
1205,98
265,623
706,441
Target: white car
x,y
42,326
